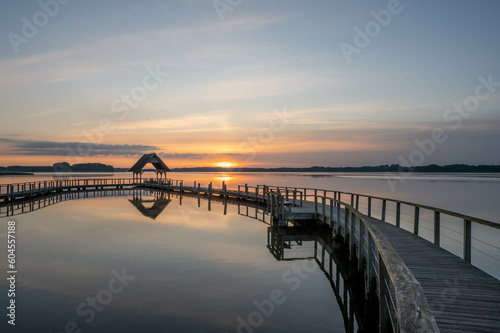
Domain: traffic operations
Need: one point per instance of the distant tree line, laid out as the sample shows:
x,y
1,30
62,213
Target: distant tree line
x,y
99,167
380,168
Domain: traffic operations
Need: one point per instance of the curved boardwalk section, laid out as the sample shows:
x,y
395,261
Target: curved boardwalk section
x,y
420,286
461,297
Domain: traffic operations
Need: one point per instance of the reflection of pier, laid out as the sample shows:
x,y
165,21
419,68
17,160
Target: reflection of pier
x,y
150,202
297,243
33,204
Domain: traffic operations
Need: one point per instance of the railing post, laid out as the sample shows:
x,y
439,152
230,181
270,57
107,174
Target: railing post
x,y
346,221
338,216
331,213
383,291
282,208
437,227
416,221
323,201
371,283
357,201
384,205
362,243
398,214
369,206
467,241
352,237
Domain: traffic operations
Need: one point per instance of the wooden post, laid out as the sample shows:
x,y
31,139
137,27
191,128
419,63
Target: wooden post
x,y
331,213
352,238
363,242
369,206
398,214
384,205
323,202
357,201
283,208
416,221
346,214
437,227
383,310
467,241
371,266
338,216
315,205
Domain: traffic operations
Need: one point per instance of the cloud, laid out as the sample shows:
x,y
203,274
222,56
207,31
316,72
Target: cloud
x,y
192,155
51,148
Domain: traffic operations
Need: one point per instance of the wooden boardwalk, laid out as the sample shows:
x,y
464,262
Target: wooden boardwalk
x,y
462,297
420,286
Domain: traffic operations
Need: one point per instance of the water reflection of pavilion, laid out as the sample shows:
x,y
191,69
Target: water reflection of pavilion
x,y
159,200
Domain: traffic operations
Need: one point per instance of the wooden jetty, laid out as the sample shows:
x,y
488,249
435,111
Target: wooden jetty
x,y
399,246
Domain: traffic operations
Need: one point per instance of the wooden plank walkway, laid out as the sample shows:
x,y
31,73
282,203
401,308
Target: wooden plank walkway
x,y
462,297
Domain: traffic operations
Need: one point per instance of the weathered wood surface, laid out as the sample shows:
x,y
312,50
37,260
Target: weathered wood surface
x,y
462,297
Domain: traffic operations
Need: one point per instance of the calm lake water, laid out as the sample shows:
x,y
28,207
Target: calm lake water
x,y
140,262
155,264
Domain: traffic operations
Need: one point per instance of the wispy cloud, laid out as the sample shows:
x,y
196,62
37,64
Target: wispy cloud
x,y
45,112
53,148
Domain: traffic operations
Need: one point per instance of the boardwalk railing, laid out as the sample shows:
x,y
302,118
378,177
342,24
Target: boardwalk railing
x,y
403,306
455,232
401,299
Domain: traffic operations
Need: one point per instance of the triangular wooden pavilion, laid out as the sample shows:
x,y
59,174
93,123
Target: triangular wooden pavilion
x,y
161,168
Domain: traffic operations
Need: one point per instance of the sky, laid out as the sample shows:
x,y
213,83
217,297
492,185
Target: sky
x,y
250,82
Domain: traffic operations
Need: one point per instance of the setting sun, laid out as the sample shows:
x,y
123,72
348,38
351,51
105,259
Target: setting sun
x,y
225,164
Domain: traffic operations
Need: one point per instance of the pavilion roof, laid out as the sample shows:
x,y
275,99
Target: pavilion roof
x,y
150,158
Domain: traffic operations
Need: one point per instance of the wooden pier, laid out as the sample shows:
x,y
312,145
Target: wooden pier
x,y
400,246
